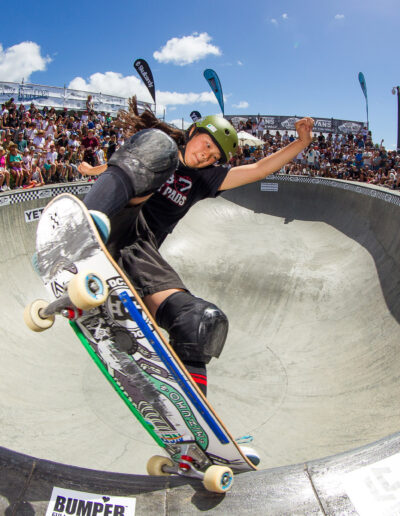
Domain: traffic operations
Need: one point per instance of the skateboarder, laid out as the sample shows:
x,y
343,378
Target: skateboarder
x,y
147,186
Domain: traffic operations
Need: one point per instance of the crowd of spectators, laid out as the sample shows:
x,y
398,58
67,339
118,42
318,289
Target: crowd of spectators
x,y
41,145
352,157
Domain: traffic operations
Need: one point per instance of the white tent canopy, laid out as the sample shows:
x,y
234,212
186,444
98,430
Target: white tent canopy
x,y
249,139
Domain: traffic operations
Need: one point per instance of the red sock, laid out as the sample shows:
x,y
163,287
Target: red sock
x,y
198,373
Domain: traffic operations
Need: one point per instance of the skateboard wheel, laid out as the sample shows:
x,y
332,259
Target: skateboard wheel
x,y
32,318
156,463
218,479
87,290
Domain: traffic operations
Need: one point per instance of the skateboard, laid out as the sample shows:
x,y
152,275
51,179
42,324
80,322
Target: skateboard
x,y
89,288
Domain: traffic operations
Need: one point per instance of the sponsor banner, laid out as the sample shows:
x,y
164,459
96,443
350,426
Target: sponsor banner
x,y
83,189
52,96
363,84
287,123
78,503
143,69
269,187
375,489
44,194
5,201
215,84
33,215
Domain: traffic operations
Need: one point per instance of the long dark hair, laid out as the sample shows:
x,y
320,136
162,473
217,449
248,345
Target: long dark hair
x,y
131,122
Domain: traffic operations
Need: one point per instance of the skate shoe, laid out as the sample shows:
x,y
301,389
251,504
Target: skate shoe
x,y
250,453
102,223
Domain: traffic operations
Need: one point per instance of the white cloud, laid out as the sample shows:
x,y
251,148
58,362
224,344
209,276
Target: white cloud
x,y
174,98
285,16
20,61
240,63
178,123
339,16
187,50
274,21
113,83
242,105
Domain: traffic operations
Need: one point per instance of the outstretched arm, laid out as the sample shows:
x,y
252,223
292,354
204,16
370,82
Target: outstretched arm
x,y
244,174
87,170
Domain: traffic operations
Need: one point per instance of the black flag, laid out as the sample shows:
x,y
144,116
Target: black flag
x,y
143,69
195,115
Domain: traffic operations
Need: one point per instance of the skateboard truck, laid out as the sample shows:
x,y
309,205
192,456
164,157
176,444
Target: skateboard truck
x,y
85,291
72,313
192,462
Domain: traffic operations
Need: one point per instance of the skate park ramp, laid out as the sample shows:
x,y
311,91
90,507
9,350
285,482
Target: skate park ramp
x,y
307,271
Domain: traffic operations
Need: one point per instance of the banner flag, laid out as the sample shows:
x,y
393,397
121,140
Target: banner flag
x,y
363,85
195,115
215,84
143,69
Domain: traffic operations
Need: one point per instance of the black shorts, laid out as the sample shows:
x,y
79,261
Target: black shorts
x,y
133,245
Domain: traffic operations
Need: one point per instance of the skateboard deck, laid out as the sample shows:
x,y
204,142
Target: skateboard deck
x,y
128,347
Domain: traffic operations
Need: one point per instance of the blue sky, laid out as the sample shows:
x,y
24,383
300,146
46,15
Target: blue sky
x,y
281,57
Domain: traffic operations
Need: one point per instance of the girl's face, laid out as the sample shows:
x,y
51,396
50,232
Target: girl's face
x,y
201,151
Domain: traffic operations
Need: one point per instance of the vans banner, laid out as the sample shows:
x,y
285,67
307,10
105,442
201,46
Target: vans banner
x,y
287,123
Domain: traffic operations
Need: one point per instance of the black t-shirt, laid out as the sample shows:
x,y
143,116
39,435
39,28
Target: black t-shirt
x,y
62,141
177,195
112,147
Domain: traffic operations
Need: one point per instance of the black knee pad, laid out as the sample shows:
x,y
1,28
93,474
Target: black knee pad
x,y
197,329
148,159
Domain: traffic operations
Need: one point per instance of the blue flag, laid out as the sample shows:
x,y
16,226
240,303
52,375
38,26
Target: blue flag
x,y
215,84
363,85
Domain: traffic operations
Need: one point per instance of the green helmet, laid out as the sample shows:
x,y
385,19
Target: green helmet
x,y
223,134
